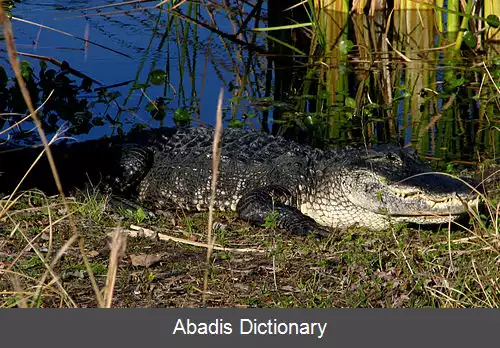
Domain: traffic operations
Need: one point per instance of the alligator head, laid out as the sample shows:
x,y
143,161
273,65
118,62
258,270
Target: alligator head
x,y
390,184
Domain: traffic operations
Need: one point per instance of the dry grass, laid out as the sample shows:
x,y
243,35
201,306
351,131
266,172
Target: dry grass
x,y
406,267
213,186
14,62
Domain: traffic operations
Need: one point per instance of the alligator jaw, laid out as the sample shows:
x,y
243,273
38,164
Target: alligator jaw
x,y
454,203
426,219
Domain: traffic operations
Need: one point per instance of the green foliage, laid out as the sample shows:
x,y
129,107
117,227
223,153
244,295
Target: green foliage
x,y
157,109
182,117
271,220
493,21
70,100
94,206
65,104
8,6
469,39
454,81
157,77
346,46
234,123
450,168
138,215
151,276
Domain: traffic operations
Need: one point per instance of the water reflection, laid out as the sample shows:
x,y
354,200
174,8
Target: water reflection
x,y
356,79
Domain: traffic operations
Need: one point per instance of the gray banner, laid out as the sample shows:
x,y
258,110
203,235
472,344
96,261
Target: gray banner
x,y
248,327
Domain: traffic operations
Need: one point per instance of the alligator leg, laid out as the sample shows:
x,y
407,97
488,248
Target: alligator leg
x,y
134,163
256,205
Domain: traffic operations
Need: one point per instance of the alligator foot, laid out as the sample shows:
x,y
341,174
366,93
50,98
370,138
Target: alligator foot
x,y
258,206
301,225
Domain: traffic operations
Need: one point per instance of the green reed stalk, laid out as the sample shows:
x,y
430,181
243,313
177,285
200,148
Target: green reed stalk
x,y
439,16
464,25
453,17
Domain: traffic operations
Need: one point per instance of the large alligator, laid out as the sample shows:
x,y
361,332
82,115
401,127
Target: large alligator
x,y
310,189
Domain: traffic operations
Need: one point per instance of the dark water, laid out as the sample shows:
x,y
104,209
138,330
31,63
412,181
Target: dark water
x,y
410,90
136,37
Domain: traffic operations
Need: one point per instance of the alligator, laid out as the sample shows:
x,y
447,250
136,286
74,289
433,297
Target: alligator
x,y
310,190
